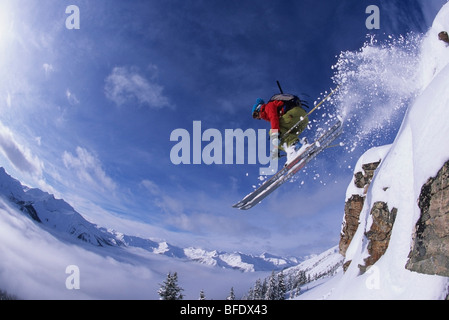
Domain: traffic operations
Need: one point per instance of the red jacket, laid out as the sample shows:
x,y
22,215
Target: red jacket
x,y
270,113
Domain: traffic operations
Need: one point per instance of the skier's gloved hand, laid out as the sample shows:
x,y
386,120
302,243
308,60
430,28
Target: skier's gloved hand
x,y
274,138
274,143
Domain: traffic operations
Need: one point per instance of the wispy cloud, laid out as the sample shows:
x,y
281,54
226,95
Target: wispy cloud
x,y
204,215
88,169
19,156
167,203
71,97
48,69
152,187
125,85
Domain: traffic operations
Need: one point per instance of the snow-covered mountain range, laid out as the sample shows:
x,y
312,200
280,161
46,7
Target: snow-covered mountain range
x,y
63,221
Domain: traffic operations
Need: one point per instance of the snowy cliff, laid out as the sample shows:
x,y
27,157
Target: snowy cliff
x,y
418,153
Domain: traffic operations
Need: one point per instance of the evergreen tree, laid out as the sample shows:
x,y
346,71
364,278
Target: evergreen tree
x,y
250,295
302,277
264,288
258,294
231,295
6,296
290,282
281,287
271,293
292,294
170,290
297,291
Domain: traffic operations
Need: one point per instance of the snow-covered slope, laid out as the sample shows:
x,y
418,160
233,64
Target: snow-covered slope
x,y
324,264
372,155
55,215
418,152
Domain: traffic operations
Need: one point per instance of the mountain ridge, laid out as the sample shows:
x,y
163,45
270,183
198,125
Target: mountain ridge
x,y
64,222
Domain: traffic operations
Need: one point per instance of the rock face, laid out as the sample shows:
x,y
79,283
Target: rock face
x,y
429,253
430,250
379,233
383,219
354,205
363,179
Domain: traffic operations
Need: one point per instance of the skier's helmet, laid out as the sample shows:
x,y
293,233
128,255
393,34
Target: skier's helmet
x,y
256,107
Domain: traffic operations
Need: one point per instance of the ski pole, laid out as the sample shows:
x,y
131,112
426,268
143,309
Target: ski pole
x,y
317,106
279,86
322,101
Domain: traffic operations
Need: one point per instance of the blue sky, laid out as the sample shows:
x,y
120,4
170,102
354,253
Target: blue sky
x,y
87,114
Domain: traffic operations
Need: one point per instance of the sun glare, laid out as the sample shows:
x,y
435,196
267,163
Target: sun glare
x,y
5,23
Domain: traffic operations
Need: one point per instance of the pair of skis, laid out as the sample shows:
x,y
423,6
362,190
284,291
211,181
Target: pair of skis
x,y
291,168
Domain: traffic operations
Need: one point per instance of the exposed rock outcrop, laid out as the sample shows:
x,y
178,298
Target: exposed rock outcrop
x,y
430,250
363,179
379,233
354,205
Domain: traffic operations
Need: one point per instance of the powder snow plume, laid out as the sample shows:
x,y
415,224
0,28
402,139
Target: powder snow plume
x,y
376,84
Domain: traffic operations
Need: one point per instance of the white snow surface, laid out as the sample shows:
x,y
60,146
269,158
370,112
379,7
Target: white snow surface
x,y
372,155
418,152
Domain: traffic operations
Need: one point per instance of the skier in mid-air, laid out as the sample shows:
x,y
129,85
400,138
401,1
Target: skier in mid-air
x,y
287,118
